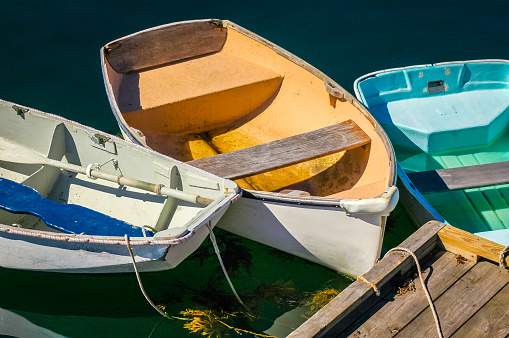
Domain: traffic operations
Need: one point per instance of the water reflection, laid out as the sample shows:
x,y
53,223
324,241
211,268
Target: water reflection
x,y
277,288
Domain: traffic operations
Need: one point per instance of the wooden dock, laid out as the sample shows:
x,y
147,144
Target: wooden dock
x,y
470,292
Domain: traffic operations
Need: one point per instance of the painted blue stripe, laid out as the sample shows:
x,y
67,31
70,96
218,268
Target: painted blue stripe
x,y
67,218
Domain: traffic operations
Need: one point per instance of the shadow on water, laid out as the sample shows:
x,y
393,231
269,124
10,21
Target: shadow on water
x,y
107,304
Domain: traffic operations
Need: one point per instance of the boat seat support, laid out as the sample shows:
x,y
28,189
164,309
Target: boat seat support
x,y
284,152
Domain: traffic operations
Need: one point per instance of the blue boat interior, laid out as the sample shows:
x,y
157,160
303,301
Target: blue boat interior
x,y
448,116
442,107
67,218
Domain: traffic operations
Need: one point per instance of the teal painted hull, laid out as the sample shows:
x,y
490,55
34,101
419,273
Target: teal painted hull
x,y
448,115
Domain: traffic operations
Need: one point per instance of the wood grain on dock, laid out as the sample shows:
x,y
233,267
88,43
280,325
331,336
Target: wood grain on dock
x,y
470,292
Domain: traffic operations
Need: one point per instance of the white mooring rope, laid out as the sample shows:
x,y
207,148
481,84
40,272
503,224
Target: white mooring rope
x,y
501,258
161,312
432,307
430,301
216,249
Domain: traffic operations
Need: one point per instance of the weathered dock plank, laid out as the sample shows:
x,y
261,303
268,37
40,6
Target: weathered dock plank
x,y
355,300
491,321
394,312
460,302
470,297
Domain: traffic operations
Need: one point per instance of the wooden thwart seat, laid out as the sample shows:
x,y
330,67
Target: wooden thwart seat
x,y
196,95
461,178
284,152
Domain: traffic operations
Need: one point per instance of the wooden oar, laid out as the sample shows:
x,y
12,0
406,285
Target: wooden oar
x,y
12,152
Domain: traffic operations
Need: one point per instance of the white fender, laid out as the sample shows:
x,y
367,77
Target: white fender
x,y
382,205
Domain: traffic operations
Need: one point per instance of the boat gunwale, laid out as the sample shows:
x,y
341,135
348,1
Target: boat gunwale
x,y
110,240
305,200
345,95
389,70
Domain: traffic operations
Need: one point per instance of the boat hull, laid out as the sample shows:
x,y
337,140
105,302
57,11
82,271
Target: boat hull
x,y
323,234
248,110
39,251
59,220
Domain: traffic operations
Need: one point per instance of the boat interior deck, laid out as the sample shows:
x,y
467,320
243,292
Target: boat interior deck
x,y
68,193
475,209
241,94
449,116
468,288
441,107
441,123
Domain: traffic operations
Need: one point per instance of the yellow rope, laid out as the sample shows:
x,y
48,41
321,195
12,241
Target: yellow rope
x,y
245,331
361,278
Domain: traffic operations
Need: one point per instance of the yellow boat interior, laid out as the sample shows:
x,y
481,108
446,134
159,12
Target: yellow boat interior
x,y
201,88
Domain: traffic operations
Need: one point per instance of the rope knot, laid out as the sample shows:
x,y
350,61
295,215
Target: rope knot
x,y
158,188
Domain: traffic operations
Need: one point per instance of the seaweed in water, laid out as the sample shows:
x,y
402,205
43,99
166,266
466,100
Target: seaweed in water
x,y
281,293
213,325
320,299
234,253
217,311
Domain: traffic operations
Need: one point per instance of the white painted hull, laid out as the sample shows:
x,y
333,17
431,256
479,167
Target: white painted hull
x,y
15,325
38,238
326,235
38,252
339,226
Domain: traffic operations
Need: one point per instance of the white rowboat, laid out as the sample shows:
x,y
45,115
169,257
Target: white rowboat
x,y
72,198
318,172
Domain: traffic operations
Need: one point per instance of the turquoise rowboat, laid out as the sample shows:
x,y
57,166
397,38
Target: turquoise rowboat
x,y
448,123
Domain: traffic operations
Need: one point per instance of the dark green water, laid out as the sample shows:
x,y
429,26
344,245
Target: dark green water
x,y
49,60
